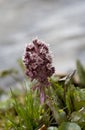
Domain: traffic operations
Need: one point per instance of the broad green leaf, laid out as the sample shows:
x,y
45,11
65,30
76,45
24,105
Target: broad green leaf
x,y
69,126
62,115
79,117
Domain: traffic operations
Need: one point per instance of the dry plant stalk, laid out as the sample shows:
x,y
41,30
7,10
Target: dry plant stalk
x,y
43,128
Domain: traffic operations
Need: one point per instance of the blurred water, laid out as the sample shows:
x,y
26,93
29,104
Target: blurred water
x,y
61,23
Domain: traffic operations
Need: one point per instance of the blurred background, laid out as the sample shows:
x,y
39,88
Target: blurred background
x,y
60,23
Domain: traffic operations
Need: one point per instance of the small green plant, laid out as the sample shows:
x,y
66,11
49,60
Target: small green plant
x,y
28,113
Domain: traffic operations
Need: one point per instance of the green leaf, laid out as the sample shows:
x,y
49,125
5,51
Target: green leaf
x,y
69,99
75,98
79,105
20,62
62,115
8,72
79,117
57,91
69,126
81,73
79,98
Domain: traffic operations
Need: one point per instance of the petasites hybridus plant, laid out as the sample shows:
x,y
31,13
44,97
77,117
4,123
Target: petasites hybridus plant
x,y
38,62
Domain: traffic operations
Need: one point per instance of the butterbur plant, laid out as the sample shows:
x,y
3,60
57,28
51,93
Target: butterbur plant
x,y
54,102
38,63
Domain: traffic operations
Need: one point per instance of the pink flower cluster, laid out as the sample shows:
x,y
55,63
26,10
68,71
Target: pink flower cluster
x,y
38,61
